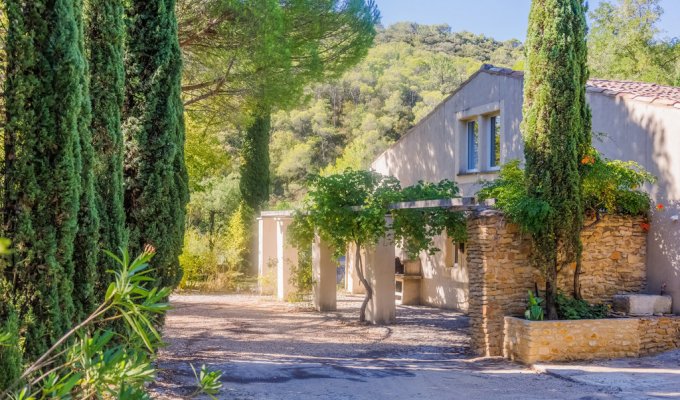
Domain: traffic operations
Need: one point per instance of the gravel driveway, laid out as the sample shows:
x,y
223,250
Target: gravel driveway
x,y
272,350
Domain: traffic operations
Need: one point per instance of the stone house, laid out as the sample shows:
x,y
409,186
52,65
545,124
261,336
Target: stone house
x,y
477,128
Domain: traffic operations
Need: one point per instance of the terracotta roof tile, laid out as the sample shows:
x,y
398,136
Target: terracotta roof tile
x,y
648,92
638,91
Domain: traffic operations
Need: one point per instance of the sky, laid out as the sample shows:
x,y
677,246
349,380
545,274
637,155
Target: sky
x,y
500,19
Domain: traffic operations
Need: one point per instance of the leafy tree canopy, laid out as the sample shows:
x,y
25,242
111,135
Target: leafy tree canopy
x,y
240,55
625,43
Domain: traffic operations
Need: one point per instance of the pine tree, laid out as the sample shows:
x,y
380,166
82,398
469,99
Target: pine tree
x,y
87,240
255,180
156,191
556,130
105,30
43,98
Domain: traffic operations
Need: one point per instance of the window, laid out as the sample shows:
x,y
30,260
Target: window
x,y
495,142
472,145
454,254
460,255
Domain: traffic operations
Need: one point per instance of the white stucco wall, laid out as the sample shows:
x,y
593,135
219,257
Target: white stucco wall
x,y
633,130
443,286
431,150
650,135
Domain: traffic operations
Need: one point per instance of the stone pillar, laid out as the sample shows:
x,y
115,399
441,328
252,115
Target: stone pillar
x,y
352,283
324,275
266,255
286,257
379,273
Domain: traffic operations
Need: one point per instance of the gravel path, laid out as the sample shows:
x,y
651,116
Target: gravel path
x,y
272,350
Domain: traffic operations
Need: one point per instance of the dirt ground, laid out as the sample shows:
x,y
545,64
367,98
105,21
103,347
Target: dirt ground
x,y
272,350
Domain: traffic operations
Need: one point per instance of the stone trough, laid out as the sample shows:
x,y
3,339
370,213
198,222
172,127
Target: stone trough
x,y
642,304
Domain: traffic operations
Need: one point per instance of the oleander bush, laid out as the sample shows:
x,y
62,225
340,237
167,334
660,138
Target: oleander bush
x,y
91,361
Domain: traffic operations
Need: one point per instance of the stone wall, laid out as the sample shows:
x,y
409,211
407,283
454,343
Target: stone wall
x,y
540,341
658,334
615,249
534,341
500,273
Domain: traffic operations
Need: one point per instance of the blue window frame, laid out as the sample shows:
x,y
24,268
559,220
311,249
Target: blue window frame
x,y
472,145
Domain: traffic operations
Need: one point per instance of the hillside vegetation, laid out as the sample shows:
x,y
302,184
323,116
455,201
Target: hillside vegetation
x,y
347,122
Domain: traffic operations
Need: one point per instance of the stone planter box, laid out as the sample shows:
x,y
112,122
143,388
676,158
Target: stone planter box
x,y
535,341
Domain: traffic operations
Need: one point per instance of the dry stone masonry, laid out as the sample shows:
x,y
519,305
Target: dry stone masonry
x,y
500,273
539,341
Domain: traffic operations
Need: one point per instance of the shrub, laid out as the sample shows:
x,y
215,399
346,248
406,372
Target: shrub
x,y
534,311
301,275
510,192
93,363
204,263
611,186
571,308
239,238
614,186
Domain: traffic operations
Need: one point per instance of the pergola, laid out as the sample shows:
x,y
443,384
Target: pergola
x,y
378,264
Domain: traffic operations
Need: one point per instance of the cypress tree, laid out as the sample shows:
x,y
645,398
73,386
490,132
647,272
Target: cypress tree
x,y
105,30
43,95
156,191
87,240
556,131
254,184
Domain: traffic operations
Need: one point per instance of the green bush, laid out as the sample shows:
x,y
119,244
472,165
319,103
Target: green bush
x,y
610,186
218,261
301,275
534,311
239,238
614,186
510,192
204,263
571,308
88,362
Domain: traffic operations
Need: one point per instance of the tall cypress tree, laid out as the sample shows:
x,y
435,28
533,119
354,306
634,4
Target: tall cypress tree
x,y
87,240
156,189
105,30
254,184
43,98
556,130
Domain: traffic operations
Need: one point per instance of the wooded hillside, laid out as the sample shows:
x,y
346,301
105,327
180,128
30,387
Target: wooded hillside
x,y
347,122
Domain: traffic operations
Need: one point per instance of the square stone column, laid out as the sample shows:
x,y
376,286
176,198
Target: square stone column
x,y
379,272
286,257
266,255
324,275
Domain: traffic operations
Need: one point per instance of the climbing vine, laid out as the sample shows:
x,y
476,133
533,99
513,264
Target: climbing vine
x,y
415,228
351,207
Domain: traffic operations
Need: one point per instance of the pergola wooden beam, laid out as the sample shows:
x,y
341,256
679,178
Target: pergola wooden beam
x,y
458,203
455,204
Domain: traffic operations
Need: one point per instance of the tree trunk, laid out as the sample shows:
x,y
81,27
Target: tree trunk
x,y
211,231
577,277
369,291
551,292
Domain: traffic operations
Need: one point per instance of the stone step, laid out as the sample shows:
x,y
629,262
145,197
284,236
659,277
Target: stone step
x,y
642,304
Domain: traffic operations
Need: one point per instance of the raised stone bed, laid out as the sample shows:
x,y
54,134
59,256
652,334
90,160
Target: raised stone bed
x,y
538,341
